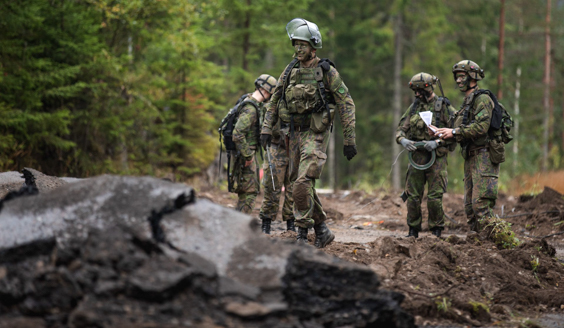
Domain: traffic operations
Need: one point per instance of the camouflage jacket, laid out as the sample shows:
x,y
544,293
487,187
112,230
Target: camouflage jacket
x,y
415,129
336,87
475,131
245,133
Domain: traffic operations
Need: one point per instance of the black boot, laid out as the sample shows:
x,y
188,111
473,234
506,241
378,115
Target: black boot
x,y
290,225
437,232
323,236
413,233
302,236
266,226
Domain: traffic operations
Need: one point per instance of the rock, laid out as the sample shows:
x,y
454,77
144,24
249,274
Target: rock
x,y
42,182
142,252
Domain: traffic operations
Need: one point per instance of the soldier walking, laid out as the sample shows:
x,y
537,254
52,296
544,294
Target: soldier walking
x,y
305,99
273,182
413,131
471,126
246,139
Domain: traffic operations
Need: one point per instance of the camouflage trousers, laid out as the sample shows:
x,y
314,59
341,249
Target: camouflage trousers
x,y
480,188
247,186
271,201
307,157
436,178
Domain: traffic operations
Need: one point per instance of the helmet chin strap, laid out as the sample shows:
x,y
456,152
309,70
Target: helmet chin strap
x,y
263,97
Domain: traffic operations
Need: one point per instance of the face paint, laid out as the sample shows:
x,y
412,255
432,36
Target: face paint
x,y
462,81
303,51
423,95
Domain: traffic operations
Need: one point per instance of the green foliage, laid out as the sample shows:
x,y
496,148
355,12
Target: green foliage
x,y
477,307
138,86
443,303
499,231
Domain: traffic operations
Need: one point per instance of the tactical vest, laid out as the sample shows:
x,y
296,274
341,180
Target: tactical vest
x,y
302,95
417,127
466,116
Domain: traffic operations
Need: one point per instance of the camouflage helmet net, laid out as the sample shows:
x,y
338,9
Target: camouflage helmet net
x,y
267,82
424,81
470,68
301,29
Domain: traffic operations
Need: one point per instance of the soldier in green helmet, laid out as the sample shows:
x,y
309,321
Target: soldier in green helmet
x,y
470,129
306,97
413,131
246,139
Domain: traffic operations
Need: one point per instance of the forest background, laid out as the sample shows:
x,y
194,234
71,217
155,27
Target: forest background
x,y
139,86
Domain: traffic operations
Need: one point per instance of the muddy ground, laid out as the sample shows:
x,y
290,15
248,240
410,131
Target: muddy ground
x,y
461,279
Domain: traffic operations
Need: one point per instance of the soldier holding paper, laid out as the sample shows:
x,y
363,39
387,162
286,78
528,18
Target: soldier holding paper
x,y
413,134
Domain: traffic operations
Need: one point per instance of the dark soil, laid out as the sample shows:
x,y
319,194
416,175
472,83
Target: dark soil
x,y
463,278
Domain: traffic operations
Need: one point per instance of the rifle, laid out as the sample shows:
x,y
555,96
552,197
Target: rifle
x,y
271,167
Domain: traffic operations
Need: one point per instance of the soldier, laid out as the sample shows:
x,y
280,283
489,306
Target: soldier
x,y
471,126
246,139
411,130
306,96
280,177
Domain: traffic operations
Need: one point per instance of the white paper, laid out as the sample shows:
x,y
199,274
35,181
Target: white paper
x,y
427,117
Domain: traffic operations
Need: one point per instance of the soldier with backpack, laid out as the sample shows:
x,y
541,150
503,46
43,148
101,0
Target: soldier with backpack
x,y
481,127
306,97
245,137
412,132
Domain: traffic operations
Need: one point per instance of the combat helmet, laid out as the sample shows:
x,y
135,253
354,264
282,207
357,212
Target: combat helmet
x,y
301,29
423,81
267,82
470,68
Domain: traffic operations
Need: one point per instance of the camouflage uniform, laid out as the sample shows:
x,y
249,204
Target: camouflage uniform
x,y
413,128
281,163
245,137
480,175
308,149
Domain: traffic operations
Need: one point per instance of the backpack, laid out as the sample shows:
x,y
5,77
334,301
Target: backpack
x,y
225,130
501,120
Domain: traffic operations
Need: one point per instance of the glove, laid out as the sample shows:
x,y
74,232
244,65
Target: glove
x,y
349,151
431,145
265,140
408,144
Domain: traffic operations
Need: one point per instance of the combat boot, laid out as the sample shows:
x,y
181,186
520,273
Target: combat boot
x,y
290,225
413,233
302,236
266,226
436,232
323,236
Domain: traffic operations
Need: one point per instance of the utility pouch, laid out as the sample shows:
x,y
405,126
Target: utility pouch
x,y
320,121
301,92
497,151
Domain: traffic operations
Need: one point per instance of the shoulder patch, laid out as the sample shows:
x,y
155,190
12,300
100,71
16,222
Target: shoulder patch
x,y
341,89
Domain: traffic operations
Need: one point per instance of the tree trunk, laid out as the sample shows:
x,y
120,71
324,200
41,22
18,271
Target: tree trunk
x,y
546,101
397,98
247,36
516,121
501,50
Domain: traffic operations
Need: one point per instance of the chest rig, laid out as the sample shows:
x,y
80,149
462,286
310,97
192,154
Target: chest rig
x,y
304,93
415,124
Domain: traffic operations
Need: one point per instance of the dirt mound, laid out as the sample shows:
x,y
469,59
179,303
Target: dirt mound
x,y
464,280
